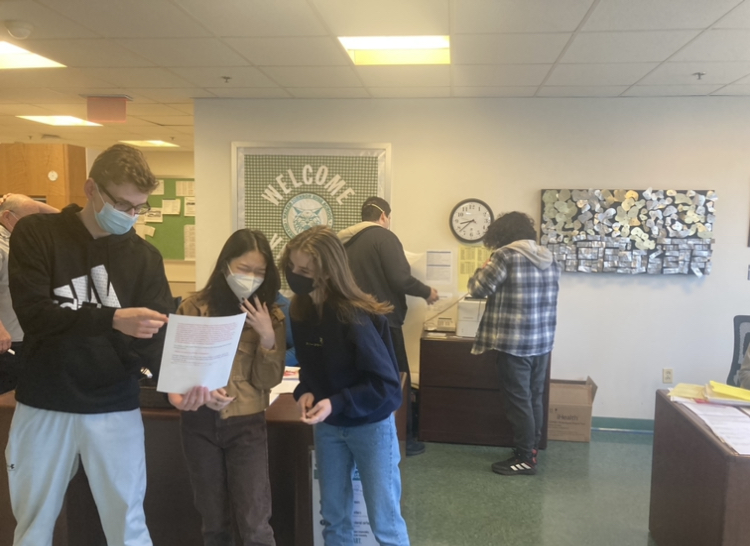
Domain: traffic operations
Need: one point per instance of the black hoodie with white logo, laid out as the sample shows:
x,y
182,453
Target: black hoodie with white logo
x,y
66,287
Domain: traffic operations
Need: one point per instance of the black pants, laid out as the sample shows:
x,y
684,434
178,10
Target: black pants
x,y
399,347
10,368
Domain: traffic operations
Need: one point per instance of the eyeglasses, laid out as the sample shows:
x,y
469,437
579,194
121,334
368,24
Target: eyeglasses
x,y
125,206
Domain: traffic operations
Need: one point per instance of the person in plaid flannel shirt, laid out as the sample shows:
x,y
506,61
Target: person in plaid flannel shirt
x,y
520,282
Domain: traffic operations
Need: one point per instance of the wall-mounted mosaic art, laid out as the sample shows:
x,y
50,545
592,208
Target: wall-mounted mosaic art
x,y
658,232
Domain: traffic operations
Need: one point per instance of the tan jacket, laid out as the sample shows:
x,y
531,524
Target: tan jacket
x,y
255,370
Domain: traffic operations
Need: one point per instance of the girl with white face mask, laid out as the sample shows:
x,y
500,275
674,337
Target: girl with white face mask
x,y
224,431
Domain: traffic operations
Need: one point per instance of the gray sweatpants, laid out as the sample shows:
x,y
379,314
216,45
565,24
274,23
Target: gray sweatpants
x,y
43,455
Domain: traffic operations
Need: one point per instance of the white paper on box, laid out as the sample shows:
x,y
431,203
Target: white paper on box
x,y
198,351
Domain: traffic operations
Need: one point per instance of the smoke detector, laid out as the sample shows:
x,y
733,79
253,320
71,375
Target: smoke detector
x,y
20,30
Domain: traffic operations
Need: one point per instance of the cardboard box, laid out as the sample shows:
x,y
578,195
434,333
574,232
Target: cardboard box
x,y
570,405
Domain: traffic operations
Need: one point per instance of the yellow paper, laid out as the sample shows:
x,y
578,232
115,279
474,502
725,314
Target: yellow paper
x,y
686,390
727,391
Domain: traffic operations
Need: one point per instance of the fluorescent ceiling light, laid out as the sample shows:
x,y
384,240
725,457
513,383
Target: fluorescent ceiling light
x,y
12,56
370,50
61,120
150,143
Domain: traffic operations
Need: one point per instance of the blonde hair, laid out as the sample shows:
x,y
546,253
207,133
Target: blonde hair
x,y
331,274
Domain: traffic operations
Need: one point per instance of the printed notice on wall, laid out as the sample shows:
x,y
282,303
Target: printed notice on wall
x,y
170,206
189,206
184,188
154,216
440,267
159,188
189,234
198,351
470,258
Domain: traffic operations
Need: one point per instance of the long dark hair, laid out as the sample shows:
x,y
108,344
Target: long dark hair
x,y
508,228
331,272
217,295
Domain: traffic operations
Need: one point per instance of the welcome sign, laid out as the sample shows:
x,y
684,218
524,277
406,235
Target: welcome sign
x,y
283,191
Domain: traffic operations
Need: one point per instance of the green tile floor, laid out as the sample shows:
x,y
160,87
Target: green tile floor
x,y
583,495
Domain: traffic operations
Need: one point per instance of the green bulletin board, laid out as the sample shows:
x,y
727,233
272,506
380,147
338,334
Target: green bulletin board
x,y
169,235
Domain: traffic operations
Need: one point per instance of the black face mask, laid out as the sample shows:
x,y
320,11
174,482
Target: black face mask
x,y
299,284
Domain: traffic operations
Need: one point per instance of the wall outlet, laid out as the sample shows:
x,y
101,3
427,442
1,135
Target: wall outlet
x,y
667,376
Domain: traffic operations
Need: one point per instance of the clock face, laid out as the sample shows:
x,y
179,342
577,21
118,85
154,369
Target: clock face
x,y
470,219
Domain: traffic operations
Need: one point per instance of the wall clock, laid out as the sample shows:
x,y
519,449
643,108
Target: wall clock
x,y
470,219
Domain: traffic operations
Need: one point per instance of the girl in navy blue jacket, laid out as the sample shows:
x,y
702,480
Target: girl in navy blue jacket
x,y
349,387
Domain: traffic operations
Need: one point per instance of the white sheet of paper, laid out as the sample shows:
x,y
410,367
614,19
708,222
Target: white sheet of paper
x,y
184,188
189,206
198,351
189,236
159,188
154,216
440,267
170,206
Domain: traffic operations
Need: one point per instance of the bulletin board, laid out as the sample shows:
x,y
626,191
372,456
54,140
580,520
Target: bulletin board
x,y
171,234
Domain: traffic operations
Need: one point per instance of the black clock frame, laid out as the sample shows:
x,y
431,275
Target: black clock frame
x,y
460,204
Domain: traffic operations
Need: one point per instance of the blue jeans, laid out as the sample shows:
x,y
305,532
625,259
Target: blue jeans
x,y
374,450
522,378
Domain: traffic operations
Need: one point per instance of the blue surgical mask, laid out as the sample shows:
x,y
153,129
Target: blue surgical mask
x,y
112,220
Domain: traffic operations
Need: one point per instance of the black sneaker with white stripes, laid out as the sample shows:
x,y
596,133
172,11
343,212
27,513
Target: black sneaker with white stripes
x,y
516,465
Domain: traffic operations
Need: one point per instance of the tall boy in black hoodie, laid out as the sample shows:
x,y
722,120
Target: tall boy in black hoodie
x,y
91,297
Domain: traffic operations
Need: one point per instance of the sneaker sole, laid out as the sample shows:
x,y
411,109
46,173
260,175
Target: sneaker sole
x,y
510,471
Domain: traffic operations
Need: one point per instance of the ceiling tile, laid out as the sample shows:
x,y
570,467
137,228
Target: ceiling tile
x,y
50,77
168,121
513,75
518,15
519,91
170,95
289,51
507,48
66,109
736,89
185,108
581,91
47,23
409,92
240,76
626,47
739,17
139,77
321,76
385,17
656,14
685,73
405,76
131,19
717,45
19,109
256,17
135,109
329,93
173,52
34,95
599,74
670,90
87,53
249,92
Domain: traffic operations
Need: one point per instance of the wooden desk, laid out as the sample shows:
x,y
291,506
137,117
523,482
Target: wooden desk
x,y
170,515
460,396
700,488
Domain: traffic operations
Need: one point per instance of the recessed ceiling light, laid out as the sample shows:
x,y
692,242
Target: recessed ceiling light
x,y
12,56
150,143
370,50
61,120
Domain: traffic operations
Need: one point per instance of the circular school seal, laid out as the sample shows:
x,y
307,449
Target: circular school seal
x,y
304,211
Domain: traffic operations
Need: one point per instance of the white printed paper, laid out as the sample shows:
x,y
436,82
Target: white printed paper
x,y
159,188
189,236
440,267
189,206
154,216
170,206
184,188
143,229
199,351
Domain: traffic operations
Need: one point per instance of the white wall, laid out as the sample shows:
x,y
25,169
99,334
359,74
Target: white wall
x,y
621,331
